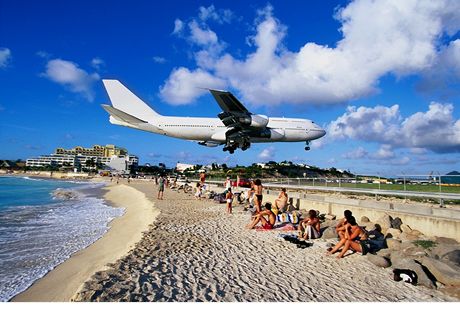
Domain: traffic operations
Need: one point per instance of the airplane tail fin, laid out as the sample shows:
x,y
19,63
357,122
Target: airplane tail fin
x,y
126,101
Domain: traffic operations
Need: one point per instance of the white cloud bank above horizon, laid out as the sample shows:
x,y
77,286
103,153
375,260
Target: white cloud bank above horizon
x,y
69,74
379,38
436,130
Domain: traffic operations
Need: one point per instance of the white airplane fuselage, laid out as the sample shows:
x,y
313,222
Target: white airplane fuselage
x,y
212,129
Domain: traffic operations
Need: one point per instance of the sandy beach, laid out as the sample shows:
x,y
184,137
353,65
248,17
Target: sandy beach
x,y
195,252
64,281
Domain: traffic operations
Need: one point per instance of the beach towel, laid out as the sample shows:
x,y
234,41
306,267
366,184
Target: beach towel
x,y
283,218
294,218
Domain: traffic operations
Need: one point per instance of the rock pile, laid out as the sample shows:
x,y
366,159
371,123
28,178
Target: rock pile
x,y
436,260
64,194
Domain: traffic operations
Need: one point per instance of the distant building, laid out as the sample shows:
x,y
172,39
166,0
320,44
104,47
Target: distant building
x,y
180,167
109,156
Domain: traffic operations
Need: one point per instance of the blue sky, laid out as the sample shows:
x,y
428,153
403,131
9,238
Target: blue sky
x,y
382,77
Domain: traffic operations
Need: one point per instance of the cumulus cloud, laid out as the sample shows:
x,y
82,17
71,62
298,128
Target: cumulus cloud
x,y
267,154
5,57
220,16
69,74
436,129
378,38
358,153
184,84
178,27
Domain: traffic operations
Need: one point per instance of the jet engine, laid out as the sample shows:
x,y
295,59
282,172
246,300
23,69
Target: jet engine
x,y
255,121
209,144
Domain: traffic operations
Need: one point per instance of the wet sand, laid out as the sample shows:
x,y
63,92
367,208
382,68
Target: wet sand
x,y
64,281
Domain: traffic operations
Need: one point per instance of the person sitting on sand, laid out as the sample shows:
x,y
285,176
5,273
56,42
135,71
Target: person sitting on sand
x,y
229,198
340,227
268,222
198,191
282,201
353,235
309,228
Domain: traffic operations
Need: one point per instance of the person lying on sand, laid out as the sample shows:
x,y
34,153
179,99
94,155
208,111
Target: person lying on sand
x,y
267,218
309,228
353,234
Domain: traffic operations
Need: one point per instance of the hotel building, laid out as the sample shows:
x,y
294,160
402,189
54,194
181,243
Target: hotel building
x,y
109,156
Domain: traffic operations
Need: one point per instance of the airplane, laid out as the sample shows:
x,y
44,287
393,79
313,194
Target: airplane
x,y
234,128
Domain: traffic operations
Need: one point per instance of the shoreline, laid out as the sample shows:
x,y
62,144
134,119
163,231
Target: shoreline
x,y
66,279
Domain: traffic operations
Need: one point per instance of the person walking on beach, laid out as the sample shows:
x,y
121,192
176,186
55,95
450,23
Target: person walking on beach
x,y
309,228
258,188
229,198
267,223
161,187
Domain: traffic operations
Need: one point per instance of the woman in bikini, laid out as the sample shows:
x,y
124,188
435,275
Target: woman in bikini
x,y
229,197
353,234
258,194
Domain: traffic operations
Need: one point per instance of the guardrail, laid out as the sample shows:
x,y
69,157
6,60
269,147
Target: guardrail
x,y
376,192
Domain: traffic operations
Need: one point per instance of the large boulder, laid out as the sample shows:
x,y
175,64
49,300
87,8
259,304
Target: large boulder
x,y
405,228
393,233
396,223
441,250
329,232
452,257
393,244
398,261
365,219
386,253
446,241
379,261
330,217
447,274
414,251
407,237
385,222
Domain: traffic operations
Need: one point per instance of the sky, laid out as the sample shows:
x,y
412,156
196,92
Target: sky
x,y
381,77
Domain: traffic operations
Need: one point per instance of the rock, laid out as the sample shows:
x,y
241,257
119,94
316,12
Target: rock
x,y
405,228
452,257
64,194
400,262
416,233
393,233
379,261
442,249
330,217
413,251
396,223
329,233
385,222
446,241
393,244
386,253
405,237
365,219
447,274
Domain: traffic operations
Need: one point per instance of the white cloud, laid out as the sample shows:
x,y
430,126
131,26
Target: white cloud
x,y
358,153
68,74
435,129
183,85
379,38
178,27
267,154
5,57
43,54
201,36
97,63
158,59
220,16
385,152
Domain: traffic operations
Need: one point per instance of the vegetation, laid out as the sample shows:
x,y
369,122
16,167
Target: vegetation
x,y
425,244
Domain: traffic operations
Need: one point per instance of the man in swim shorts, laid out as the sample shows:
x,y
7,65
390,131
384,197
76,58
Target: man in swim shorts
x,y
267,218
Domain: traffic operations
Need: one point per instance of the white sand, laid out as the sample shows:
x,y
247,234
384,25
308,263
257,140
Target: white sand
x,y
196,252
64,281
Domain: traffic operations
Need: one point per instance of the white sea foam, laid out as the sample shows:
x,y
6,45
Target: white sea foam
x,y
35,239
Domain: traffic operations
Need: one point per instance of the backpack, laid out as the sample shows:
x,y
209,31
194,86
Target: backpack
x,y
405,275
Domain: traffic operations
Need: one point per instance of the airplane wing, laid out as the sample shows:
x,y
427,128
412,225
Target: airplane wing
x,y
242,124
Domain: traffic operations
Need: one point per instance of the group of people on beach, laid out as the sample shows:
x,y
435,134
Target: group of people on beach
x,y
350,234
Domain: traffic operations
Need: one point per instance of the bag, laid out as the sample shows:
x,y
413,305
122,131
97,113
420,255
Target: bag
x,y
294,218
405,275
283,218
220,198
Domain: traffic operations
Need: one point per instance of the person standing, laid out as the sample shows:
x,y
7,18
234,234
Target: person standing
x,y
202,178
161,187
228,184
258,188
229,198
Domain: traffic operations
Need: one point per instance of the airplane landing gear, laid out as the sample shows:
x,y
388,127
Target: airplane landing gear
x,y
307,147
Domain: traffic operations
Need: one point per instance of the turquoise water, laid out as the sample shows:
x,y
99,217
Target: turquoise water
x,y
39,231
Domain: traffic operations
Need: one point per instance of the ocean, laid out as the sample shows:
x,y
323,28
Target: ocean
x,y
39,230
